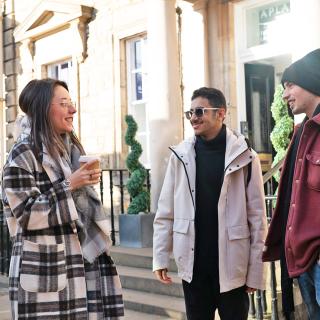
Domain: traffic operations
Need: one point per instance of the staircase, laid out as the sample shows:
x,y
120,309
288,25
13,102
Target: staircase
x,y
141,291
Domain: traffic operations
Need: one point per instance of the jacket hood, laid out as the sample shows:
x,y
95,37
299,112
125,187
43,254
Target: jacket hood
x,y
22,128
235,145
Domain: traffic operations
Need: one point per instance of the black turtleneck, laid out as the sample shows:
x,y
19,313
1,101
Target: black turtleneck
x,y
210,156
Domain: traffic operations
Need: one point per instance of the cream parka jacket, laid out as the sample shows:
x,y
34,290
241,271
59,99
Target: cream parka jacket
x,y
241,216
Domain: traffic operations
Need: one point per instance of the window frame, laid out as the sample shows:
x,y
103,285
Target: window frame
x,y
131,71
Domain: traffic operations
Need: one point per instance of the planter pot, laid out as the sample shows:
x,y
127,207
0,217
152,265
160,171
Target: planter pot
x,y
136,230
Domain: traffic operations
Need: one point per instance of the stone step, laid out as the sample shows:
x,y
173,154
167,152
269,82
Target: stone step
x,y
136,257
154,304
144,280
5,313
134,315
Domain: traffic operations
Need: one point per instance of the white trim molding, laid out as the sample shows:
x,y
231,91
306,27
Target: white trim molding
x,y
50,17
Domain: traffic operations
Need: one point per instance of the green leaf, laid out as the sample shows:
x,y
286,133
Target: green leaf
x,y
140,197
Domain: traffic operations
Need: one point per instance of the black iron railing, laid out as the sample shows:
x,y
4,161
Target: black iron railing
x,y
114,195
258,301
5,244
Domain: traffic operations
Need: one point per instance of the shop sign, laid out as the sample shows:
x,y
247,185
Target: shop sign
x,y
268,15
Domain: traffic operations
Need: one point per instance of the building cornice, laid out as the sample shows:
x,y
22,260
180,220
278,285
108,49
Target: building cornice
x,y
50,17
41,20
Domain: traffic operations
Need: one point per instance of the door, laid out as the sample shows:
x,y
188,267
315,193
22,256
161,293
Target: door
x,y
259,79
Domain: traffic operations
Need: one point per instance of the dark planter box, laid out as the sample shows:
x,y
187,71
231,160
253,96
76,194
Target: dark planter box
x,y
136,230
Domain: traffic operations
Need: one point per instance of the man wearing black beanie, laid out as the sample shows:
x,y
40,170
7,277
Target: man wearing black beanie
x,y
294,233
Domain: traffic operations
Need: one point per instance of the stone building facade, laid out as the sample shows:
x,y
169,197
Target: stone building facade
x,y
145,57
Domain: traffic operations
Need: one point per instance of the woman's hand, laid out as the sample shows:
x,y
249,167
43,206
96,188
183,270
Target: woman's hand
x,y
84,176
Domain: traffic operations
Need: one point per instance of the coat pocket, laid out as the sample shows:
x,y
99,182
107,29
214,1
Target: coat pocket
x,y
43,267
180,225
238,246
180,241
313,179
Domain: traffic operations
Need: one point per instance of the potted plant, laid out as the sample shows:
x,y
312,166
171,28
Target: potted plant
x,y
135,227
280,135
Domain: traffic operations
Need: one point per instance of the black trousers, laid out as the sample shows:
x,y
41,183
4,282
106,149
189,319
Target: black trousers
x,y
203,297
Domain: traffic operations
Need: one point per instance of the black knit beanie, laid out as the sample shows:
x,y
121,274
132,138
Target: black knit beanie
x,y
305,72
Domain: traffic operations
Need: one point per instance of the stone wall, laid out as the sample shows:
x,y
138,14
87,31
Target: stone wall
x,y
10,57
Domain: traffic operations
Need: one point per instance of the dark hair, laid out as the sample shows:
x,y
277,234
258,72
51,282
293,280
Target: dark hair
x,y
215,97
35,100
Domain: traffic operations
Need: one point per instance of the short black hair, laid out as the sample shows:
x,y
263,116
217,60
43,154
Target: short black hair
x,y
215,97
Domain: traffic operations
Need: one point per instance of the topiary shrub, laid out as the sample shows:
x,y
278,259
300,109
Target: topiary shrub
x,y
280,135
140,197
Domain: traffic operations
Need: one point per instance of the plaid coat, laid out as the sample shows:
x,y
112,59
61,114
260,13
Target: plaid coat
x,y
48,277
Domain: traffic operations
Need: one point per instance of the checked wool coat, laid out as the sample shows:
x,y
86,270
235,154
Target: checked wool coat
x,y
48,277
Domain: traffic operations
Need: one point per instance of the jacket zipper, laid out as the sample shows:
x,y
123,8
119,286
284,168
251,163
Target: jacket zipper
x,y
232,161
185,169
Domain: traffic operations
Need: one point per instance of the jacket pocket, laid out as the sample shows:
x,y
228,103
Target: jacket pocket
x,y
313,179
43,267
238,247
180,241
181,225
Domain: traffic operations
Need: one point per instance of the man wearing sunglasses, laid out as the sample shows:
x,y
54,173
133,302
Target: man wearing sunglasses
x,y
211,215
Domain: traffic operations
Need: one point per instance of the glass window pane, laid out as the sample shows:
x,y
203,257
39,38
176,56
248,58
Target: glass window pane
x,y
260,119
139,113
64,65
137,54
56,72
267,23
143,140
138,86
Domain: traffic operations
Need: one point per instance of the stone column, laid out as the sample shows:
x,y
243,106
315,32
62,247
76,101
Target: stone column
x,y
164,96
200,42
303,36
304,27
9,71
2,120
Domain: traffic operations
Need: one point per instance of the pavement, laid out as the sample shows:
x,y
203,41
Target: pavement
x,y
6,315
4,299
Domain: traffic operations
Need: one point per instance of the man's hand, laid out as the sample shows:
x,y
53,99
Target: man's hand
x,y
250,290
161,275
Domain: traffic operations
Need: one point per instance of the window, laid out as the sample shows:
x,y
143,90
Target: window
x,y
267,23
136,91
64,71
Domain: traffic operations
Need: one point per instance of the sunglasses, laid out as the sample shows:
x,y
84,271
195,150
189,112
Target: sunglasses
x,y
198,112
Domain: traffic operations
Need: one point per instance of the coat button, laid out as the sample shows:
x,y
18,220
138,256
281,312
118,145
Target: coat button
x,y
230,169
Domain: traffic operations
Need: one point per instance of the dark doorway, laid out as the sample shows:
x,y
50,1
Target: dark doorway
x,y
259,96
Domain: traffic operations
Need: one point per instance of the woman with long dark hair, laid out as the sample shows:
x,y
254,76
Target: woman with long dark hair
x,y
60,265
